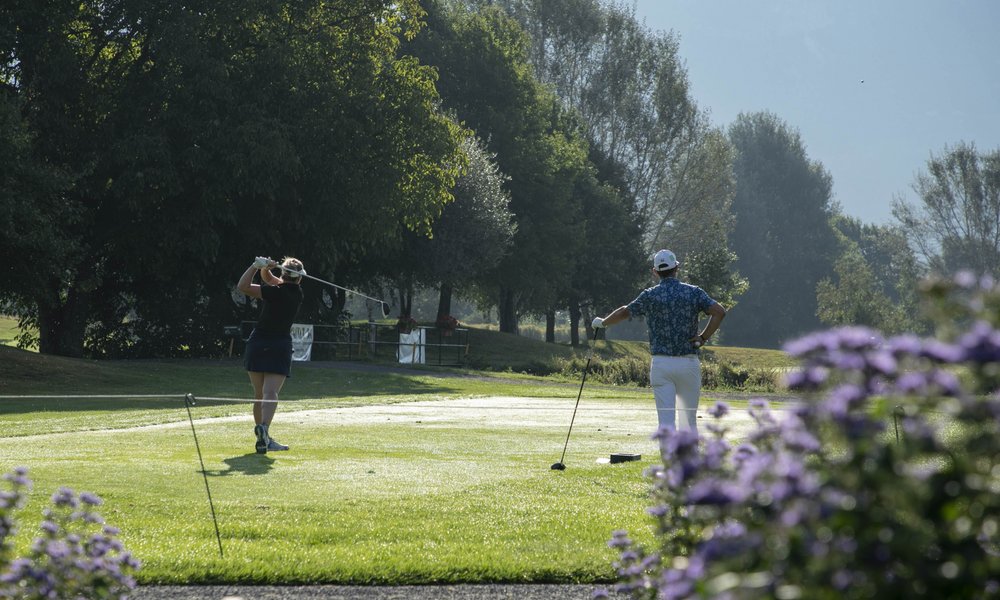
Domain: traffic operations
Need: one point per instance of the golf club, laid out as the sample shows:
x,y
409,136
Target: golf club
x,y
382,303
560,466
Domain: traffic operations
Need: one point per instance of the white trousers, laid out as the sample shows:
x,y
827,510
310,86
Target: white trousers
x,y
676,383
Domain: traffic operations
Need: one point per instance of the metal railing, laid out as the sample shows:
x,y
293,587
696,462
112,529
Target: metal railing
x,y
372,341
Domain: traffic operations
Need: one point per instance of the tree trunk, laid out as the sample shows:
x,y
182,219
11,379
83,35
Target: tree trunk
x,y
507,311
574,322
550,326
444,300
588,330
405,300
61,327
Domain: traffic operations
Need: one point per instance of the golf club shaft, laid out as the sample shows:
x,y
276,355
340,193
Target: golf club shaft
x,y
579,394
339,287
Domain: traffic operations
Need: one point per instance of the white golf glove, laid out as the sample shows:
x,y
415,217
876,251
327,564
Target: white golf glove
x,y
598,323
261,262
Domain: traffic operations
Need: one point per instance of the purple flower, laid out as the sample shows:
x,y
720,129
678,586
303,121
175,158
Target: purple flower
x,y
847,361
842,400
858,338
981,344
676,443
800,439
912,383
942,352
905,345
883,362
620,539
715,452
719,410
90,499
715,492
965,279
65,497
809,378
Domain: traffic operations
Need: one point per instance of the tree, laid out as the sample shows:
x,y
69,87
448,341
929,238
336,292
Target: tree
x,y
876,280
484,77
610,257
473,233
782,234
956,223
33,207
674,169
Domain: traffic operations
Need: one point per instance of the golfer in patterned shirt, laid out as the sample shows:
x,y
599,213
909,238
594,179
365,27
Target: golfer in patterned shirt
x,y
672,310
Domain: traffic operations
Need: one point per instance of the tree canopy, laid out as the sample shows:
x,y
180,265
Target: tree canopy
x,y
782,232
194,136
955,223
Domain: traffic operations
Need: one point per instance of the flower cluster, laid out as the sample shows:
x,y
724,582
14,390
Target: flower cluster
x,y
824,500
75,556
446,322
406,323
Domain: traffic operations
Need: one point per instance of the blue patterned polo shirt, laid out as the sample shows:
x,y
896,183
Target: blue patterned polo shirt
x,y
672,310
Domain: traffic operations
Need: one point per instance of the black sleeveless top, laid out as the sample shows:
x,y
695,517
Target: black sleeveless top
x,y
281,304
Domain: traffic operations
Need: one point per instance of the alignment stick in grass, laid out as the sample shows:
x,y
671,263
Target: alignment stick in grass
x,y
559,466
188,401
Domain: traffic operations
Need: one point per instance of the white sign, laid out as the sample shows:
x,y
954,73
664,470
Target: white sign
x,y
302,341
411,346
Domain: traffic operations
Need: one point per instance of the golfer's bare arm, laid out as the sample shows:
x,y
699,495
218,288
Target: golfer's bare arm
x,y
716,313
248,287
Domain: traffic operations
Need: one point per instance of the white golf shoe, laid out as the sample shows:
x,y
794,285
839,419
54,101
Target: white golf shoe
x,y
274,446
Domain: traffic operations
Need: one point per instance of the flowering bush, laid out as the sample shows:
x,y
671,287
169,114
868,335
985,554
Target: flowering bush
x,y
406,323
447,322
76,555
829,501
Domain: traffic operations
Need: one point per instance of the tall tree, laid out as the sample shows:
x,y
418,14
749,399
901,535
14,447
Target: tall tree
x,y
782,234
473,233
894,266
875,282
675,168
955,223
484,77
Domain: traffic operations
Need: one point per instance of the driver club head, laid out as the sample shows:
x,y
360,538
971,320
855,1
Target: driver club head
x,y
558,467
385,310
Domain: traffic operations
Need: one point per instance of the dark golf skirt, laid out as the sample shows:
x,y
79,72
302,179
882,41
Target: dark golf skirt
x,y
268,353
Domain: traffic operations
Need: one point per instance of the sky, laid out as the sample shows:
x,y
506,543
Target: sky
x,y
874,87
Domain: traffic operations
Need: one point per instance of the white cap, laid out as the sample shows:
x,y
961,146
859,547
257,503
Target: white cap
x,y
664,260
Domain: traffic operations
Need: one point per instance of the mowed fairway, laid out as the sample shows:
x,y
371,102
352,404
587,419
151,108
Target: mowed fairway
x,y
449,483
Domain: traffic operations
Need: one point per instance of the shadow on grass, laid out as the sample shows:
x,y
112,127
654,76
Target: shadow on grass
x,y
247,464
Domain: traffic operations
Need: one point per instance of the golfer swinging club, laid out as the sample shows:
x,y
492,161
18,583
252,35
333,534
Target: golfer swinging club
x,y
672,311
268,355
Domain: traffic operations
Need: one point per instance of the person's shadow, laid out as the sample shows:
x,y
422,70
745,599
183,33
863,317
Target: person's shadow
x,y
247,464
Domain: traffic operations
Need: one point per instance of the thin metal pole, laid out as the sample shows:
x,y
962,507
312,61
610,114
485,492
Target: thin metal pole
x,y
590,355
188,401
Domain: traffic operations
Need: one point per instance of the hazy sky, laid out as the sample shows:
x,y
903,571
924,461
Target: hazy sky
x,y
873,87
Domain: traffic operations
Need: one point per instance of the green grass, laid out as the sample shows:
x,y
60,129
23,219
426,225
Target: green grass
x,y
8,331
394,477
392,502
405,493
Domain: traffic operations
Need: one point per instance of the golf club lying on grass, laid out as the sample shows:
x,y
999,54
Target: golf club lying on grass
x,y
560,466
382,303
